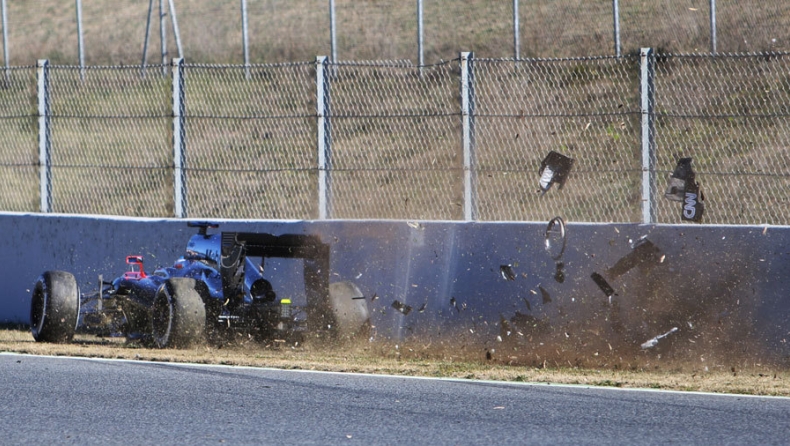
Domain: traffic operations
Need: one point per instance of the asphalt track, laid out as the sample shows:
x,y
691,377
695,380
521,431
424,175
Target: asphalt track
x,y
62,400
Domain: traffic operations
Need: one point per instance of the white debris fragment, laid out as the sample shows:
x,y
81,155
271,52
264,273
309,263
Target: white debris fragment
x,y
507,272
546,178
653,342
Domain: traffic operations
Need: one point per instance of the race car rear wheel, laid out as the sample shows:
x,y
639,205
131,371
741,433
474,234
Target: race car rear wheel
x,y
349,309
54,307
178,316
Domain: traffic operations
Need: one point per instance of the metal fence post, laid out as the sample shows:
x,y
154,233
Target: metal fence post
x,y
420,57
176,33
244,39
468,136
147,35
5,44
616,19
179,140
80,45
324,128
163,37
516,40
332,30
44,136
647,77
713,26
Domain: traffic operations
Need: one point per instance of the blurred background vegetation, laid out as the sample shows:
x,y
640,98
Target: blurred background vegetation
x,y
299,30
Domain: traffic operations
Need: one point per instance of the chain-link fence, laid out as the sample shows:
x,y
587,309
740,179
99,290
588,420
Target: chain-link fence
x,y
108,142
731,116
18,151
458,140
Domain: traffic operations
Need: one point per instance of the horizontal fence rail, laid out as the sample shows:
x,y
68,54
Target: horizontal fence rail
x,y
458,140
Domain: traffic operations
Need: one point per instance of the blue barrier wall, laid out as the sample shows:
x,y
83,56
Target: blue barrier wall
x,y
487,289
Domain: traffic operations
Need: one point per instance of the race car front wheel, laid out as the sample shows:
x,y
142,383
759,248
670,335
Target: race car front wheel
x,y
54,307
178,316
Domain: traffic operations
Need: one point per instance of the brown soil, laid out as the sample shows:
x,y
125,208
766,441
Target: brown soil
x,y
394,359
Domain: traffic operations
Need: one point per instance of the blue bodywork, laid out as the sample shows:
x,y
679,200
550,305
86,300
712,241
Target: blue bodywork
x,y
228,272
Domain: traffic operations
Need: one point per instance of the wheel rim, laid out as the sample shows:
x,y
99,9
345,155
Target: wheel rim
x,y
162,317
37,309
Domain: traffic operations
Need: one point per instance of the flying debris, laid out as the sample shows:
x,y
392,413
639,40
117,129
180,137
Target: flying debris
x,y
555,241
454,304
507,272
603,285
684,188
554,169
504,326
526,324
654,341
644,254
403,308
555,238
677,181
545,295
422,308
529,307
559,274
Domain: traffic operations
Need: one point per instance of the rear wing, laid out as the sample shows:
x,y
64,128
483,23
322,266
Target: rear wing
x,y
284,246
236,246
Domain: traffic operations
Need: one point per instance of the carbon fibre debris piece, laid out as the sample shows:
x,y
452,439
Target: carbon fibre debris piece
x,y
559,273
679,179
507,272
545,295
643,254
555,168
603,285
683,188
401,307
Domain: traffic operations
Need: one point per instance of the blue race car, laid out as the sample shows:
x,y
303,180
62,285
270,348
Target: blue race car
x,y
215,290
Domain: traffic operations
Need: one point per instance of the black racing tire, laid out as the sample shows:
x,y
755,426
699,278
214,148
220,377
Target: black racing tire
x,y
54,307
349,309
178,315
